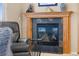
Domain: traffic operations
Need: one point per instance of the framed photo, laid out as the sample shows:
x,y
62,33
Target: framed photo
x,y
47,4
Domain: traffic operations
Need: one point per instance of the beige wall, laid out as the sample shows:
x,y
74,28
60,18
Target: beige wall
x,y
13,12
45,9
74,25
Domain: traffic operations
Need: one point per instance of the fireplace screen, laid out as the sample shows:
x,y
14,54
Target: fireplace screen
x,y
49,31
48,34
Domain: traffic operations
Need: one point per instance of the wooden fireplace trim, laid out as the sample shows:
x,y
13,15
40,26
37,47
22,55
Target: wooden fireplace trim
x,y
66,26
78,41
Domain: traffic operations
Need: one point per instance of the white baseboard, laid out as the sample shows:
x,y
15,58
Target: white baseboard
x,y
50,54
74,53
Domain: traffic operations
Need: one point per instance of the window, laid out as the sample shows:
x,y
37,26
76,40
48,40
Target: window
x,y
1,11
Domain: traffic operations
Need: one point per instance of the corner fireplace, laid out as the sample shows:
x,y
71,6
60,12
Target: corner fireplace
x,y
49,31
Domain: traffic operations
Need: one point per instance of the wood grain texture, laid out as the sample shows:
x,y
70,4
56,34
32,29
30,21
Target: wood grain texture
x,y
66,26
78,40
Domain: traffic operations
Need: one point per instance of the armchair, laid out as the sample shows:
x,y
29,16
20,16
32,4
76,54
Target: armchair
x,y
18,47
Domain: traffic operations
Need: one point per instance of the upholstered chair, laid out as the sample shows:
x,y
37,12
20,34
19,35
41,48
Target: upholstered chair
x,y
19,48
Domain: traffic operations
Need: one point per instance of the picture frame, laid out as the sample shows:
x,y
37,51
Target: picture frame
x,y
47,4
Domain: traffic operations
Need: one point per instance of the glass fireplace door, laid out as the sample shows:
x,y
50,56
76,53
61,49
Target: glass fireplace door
x,y
48,34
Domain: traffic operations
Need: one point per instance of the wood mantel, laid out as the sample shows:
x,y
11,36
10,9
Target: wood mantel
x,y
66,26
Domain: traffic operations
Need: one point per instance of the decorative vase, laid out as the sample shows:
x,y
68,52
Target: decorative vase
x,y
63,7
30,9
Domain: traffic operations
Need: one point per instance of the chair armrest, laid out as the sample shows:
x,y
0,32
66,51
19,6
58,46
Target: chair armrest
x,y
18,47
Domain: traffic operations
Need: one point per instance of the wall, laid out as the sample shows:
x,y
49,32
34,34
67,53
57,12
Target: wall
x,y
24,22
45,9
13,12
74,25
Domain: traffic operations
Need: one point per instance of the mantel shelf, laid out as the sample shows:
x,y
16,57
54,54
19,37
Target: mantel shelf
x,y
47,14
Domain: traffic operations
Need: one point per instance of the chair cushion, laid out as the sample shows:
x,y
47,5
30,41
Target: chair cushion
x,y
22,54
19,47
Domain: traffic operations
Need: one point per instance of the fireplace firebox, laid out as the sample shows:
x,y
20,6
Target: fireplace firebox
x,y
48,34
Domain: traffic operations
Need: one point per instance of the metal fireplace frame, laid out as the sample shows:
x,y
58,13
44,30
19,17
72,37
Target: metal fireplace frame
x,y
51,49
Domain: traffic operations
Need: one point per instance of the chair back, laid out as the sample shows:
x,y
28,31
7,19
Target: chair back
x,y
15,28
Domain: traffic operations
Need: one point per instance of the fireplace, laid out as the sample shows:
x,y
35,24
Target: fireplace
x,y
51,29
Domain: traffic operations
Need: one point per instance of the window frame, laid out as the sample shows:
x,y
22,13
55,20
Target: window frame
x,y
4,16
